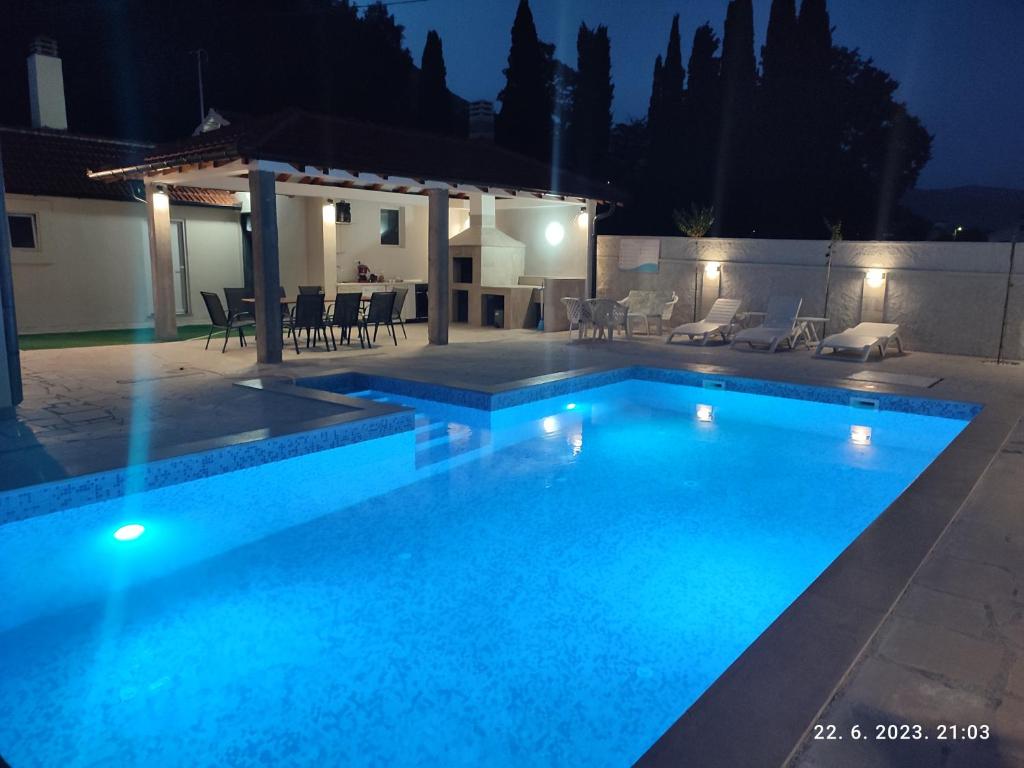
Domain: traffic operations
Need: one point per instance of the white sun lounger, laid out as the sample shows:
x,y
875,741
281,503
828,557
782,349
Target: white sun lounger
x,y
719,320
862,338
780,325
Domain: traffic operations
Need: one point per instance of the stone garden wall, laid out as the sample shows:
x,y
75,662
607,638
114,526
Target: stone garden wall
x,y
947,297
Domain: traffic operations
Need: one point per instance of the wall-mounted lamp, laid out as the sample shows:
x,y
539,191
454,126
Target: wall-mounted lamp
x,y
554,233
705,412
874,278
161,201
860,435
329,212
712,269
581,220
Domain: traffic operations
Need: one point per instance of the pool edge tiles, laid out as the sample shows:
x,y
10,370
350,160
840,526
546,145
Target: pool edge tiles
x,y
204,459
366,420
491,398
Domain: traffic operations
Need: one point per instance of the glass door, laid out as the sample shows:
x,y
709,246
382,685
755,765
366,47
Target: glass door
x,y
179,256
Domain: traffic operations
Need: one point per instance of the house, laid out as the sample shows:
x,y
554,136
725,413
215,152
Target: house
x,y
85,240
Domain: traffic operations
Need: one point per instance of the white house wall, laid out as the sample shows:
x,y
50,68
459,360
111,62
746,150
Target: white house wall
x,y
527,225
91,267
360,240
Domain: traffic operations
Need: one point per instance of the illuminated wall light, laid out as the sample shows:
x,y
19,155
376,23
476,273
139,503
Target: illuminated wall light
x,y
705,412
860,435
554,233
874,278
329,212
581,220
160,199
712,269
129,532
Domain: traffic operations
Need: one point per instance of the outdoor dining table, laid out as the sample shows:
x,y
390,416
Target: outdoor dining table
x,y
251,300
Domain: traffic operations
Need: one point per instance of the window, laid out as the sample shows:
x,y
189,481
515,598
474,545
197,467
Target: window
x,y
343,212
23,230
389,226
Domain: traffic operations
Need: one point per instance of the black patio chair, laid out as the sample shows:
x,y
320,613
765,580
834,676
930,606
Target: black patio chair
x,y
221,320
238,308
346,317
400,294
309,315
380,312
310,290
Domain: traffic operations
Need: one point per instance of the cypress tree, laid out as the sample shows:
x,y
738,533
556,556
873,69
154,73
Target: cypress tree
x,y
815,128
590,117
777,109
700,145
665,127
733,198
433,101
524,123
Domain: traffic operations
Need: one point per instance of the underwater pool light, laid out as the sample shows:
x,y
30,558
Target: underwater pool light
x,y
705,412
571,407
860,435
129,532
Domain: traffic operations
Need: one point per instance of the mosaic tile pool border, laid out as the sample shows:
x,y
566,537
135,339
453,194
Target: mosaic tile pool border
x,y
365,420
555,385
207,458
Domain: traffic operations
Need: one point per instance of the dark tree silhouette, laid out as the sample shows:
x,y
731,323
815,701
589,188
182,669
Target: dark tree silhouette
x,y
702,119
527,100
590,119
778,104
665,125
882,151
433,101
733,189
815,128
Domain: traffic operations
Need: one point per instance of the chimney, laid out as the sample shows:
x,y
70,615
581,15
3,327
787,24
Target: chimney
x,y
46,85
481,120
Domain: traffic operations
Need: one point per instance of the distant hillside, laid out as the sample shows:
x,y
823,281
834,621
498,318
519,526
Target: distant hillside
x,y
992,209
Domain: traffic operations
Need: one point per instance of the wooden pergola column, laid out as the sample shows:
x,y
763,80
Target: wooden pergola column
x,y
266,269
158,216
438,287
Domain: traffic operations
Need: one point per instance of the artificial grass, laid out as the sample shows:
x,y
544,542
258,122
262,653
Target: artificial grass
x,y
104,338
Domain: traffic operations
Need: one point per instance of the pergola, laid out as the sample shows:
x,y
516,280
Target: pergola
x,y
303,154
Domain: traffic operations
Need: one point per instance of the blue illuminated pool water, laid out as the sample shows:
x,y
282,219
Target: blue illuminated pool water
x,y
550,584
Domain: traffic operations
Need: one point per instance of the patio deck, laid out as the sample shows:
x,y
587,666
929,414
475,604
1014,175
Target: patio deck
x,y
951,650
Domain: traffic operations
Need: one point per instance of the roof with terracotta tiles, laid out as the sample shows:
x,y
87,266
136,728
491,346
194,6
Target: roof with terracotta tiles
x,y
54,163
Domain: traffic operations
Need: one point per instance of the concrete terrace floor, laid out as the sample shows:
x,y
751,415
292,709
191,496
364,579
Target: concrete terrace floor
x,y
951,650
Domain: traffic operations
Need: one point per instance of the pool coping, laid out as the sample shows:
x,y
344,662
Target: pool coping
x,y
757,711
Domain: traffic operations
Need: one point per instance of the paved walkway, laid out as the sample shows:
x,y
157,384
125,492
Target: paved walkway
x,y
950,651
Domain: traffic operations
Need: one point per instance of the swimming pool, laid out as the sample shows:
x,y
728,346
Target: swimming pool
x,y
549,583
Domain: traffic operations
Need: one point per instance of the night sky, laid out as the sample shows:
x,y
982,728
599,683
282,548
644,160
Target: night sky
x,y
960,64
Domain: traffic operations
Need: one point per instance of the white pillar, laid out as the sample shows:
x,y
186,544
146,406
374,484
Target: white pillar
x,y
6,399
322,255
590,290
438,283
266,269
158,211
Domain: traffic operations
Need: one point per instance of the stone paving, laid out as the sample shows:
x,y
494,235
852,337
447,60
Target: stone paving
x,y
951,650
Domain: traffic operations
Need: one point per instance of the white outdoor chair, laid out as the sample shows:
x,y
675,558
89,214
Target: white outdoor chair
x,y
575,310
719,321
780,326
647,306
606,315
862,338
